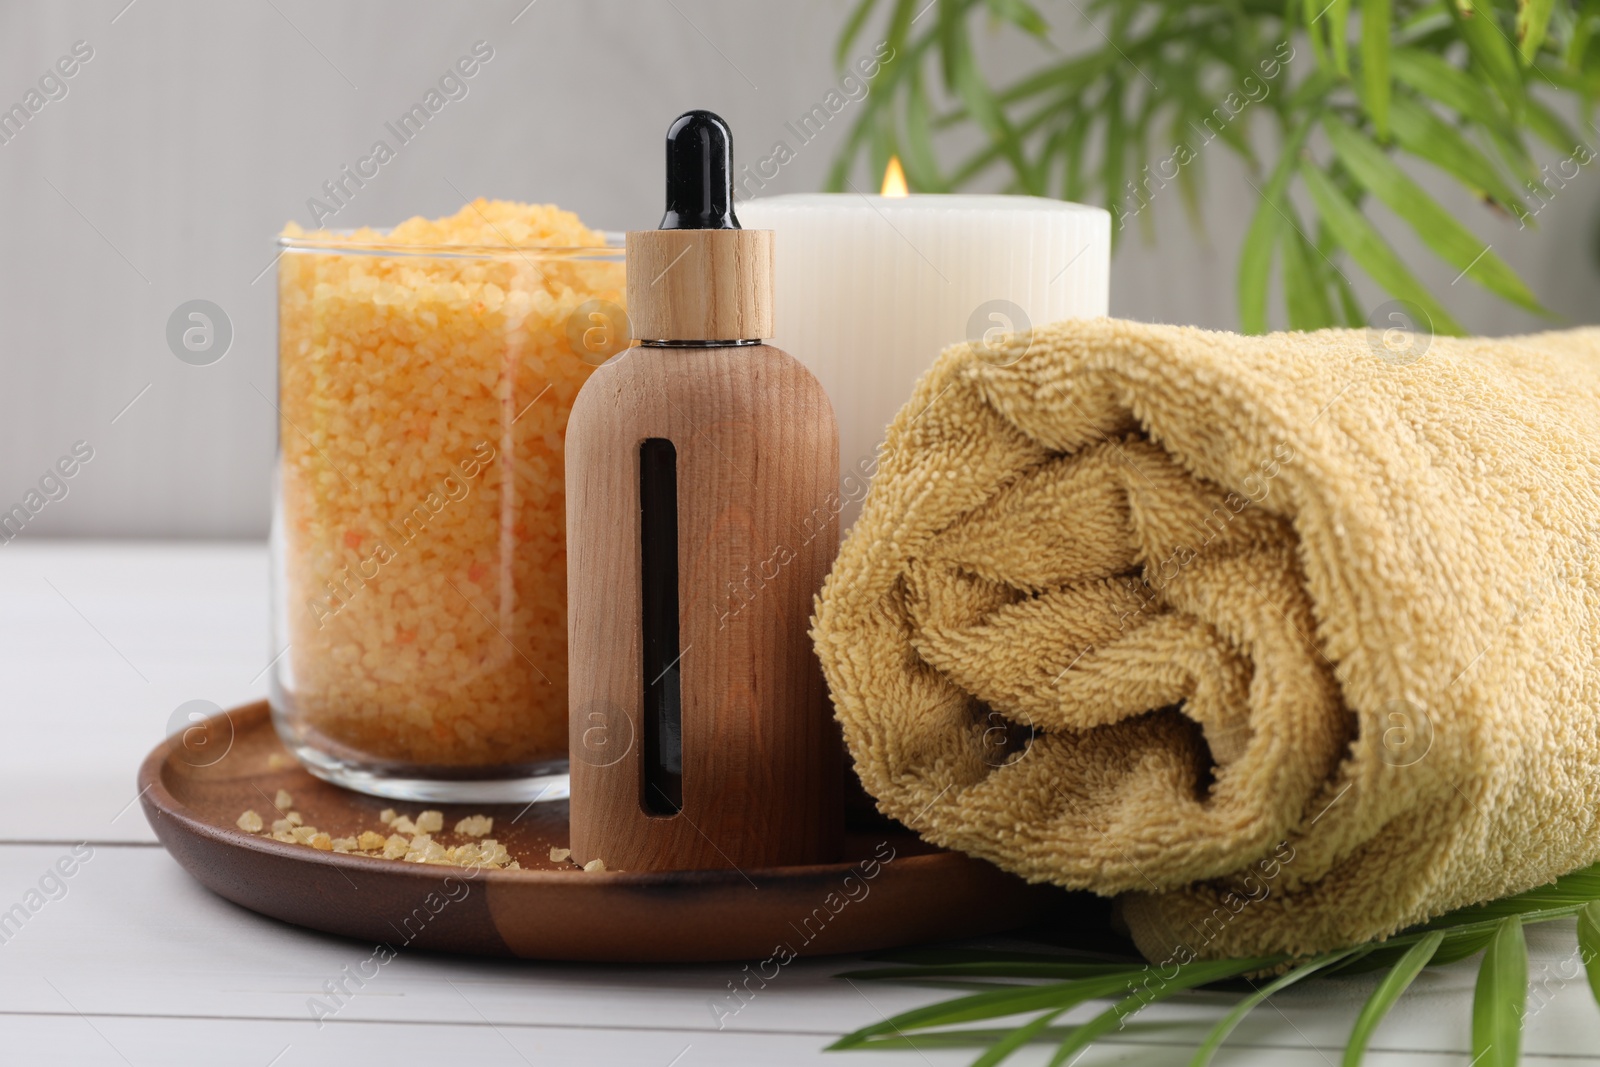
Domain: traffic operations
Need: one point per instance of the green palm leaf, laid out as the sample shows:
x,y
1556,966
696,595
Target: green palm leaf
x,y
1002,1049
899,31
993,1005
1395,983
1189,976
1439,230
1437,80
1338,17
1552,128
1425,135
1375,18
922,162
1111,163
1491,49
1368,248
1072,182
1319,48
1589,944
962,71
1303,291
852,30
1022,14
1496,926
1255,259
1188,174
1219,1033
1451,86
1443,81
1533,19
1500,997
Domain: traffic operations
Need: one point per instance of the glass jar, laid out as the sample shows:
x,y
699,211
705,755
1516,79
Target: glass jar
x,y
419,529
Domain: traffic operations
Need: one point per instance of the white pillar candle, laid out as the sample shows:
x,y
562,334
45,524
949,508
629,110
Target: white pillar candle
x,y
870,289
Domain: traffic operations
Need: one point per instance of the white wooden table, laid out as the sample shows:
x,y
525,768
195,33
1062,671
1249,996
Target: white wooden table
x,y
134,963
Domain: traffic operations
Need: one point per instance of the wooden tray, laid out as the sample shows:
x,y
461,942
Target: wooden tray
x,y
912,893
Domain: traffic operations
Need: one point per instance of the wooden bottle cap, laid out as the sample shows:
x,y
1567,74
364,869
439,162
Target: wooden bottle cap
x,y
700,285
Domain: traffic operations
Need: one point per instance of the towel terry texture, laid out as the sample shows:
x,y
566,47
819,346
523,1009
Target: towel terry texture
x,y
1289,642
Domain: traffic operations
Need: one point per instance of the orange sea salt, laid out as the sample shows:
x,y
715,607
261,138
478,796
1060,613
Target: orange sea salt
x,y
424,405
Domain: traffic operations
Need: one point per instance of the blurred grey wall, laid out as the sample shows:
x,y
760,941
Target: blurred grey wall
x,y
159,172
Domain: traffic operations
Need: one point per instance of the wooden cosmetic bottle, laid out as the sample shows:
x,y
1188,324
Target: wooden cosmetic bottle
x,y
702,517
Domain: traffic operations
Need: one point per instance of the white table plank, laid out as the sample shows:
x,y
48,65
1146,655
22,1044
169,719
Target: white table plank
x,y
101,642
121,1042
135,936
99,645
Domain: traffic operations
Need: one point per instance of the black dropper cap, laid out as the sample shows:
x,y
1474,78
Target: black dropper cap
x,y
699,174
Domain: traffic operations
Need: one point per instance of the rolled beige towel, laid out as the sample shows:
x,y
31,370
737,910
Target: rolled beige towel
x,y
1289,642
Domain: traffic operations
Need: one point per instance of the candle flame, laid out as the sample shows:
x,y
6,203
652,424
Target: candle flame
x,y
894,179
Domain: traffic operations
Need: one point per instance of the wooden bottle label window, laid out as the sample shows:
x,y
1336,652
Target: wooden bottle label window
x,y
660,654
